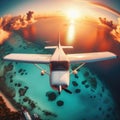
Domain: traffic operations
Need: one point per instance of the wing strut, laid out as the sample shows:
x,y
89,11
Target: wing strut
x,y
75,70
42,70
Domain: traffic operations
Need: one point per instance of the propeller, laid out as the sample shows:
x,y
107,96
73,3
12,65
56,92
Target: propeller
x,y
68,91
60,89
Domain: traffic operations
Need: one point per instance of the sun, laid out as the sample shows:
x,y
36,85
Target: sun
x,y
72,13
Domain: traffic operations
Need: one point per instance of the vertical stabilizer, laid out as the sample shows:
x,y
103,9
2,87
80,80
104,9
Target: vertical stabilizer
x,y
59,40
59,44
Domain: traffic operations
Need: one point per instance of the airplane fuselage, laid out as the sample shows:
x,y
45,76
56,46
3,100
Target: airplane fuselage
x,y
59,70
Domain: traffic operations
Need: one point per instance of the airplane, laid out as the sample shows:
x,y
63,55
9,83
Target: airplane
x,y
59,63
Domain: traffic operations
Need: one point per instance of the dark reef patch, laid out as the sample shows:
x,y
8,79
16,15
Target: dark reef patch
x,y
99,108
86,74
103,89
22,91
25,99
31,103
22,71
18,84
25,73
8,68
87,86
110,109
107,116
48,113
11,80
76,76
14,72
51,95
74,83
11,76
93,82
106,101
77,91
101,95
84,82
60,103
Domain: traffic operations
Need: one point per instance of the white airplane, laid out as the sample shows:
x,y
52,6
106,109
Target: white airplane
x,y
59,63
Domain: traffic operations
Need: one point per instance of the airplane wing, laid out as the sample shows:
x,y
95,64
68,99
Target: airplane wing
x,y
90,57
29,58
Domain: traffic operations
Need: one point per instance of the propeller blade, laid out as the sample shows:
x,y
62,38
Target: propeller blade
x,y
68,91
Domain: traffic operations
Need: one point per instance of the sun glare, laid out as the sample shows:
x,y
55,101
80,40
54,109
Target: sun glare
x,y
70,33
72,13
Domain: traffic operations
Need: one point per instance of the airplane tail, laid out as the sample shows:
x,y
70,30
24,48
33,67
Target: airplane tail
x,y
59,45
54,47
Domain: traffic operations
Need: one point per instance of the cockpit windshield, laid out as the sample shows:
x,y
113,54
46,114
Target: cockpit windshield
x,y
59,65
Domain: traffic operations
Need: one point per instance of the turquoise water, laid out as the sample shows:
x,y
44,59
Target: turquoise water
x,y
90,100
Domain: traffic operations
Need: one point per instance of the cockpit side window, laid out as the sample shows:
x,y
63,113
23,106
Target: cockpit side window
x,y
59,65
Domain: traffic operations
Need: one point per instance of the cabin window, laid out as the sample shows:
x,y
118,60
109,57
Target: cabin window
x,y
59,65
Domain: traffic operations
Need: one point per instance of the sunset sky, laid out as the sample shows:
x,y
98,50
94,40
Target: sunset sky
x,y
73,10
18,7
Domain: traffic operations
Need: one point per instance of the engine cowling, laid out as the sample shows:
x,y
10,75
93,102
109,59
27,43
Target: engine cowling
x,y
43,72
75,72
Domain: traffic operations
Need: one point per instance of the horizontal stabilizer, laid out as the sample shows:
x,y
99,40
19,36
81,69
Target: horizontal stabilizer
x,y
54,47
50,47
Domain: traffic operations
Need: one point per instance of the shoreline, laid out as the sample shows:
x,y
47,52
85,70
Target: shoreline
x,y
8,103
8,93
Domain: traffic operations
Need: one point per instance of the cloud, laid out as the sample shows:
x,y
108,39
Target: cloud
x,y
116,32
3,35
11,23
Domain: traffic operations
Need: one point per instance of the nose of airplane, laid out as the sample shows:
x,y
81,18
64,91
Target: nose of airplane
x,y
59,80
59,89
